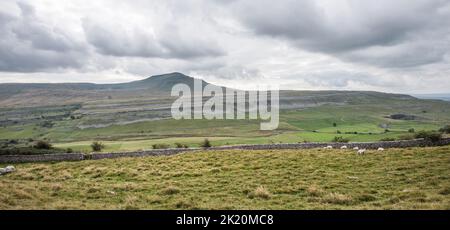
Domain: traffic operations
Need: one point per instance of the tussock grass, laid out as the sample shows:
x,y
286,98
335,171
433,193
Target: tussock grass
x,y
260,192
170,190
411,178
314,191
336,198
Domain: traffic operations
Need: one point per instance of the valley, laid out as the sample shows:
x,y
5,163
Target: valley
x,y
134,116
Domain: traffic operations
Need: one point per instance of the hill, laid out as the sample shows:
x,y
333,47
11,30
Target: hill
x,y
32,94
136,115
158,86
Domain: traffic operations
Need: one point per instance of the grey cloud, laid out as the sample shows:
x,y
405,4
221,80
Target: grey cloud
x,y
404,55
352,26
137,41
28,45
41,35
343,79
233,72
351,44
120,41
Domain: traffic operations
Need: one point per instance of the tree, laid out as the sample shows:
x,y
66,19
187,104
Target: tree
x,y
334,124
445,129
432,136
340,139
205,144
97,146
43,145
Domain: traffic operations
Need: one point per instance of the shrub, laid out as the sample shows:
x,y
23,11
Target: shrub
x,y
334,124
69,150
181,146
47,124
387,139
338,131
43,145
340,139
13,142
445,129
429,135
97,146
411,130
160,146
206,143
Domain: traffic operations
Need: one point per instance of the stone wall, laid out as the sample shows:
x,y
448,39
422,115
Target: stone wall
x,y
361,145
165,152
42,158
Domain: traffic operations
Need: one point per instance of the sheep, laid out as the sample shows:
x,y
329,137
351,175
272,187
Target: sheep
x,y
380,149
10,168
6,170
344,147
361,151
356,148
329,147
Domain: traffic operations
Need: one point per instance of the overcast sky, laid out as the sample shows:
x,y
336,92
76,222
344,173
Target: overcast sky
x,y
384,45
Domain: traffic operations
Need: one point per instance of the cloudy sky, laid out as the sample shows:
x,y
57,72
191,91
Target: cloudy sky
x,y
384,45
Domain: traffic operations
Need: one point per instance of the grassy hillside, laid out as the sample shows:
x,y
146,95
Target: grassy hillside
x,y
415,178
135,115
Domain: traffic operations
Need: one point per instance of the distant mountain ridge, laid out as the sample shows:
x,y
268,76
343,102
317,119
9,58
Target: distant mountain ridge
x,y
163,82
157,87
434,96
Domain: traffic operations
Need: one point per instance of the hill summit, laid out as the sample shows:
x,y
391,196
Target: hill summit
x,y
163,82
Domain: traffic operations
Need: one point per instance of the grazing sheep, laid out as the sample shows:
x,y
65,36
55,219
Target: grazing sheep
x,y
344,147
6,170
329,147
356,148
380,149
361,151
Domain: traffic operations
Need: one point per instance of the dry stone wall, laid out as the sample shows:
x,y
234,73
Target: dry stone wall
x,y
166,152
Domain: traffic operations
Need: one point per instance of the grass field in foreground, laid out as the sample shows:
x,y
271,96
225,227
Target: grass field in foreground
x,y
414,178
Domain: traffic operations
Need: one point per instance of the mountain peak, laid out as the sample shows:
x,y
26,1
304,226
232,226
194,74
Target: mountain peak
x,y
163,82
177,75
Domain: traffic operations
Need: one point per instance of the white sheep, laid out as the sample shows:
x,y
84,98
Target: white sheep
x,y
380,149
356,148
8,169
361,151
344,147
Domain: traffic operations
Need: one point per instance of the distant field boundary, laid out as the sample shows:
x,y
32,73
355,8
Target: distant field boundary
x,y
166,152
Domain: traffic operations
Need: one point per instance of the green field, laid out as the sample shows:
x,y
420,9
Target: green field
x,y
356,123
134,116
413,178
